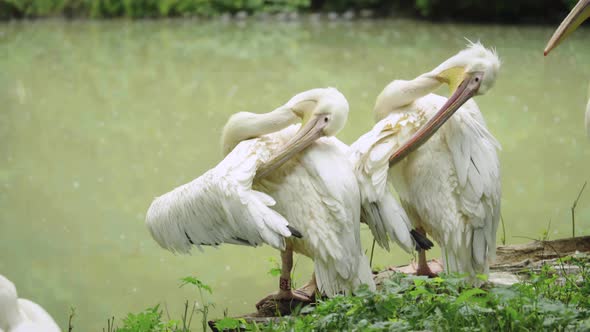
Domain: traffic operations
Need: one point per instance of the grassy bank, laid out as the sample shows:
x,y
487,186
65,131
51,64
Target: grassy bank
x,y
547,301
474,10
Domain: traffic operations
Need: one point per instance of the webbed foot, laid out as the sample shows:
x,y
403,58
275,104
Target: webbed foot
x,y
431,269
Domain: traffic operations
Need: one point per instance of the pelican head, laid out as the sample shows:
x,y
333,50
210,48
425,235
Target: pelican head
x,y
469,73
576,17
9,314
326,109
323,112
473,69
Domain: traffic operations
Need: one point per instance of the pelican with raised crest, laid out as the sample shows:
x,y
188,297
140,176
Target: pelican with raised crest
x,y
448,180
576,17
289,186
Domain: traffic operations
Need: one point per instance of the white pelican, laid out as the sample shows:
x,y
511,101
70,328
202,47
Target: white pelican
x,y
450,186
314,195
20,315
576,17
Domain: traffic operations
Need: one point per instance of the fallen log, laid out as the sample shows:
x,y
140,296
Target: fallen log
x,y
517,256
511,262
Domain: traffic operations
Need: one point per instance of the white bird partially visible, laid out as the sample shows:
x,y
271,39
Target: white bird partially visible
x,y
576,17
304,176
450,186
21,315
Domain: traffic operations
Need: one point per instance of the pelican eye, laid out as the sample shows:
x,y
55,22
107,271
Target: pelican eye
x,y
326,119
477,79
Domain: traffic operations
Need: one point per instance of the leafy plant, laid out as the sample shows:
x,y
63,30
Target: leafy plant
x,y
546,301
205,305
150,320
275,269
228,323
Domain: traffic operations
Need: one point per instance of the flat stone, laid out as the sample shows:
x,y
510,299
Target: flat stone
x,y
503,278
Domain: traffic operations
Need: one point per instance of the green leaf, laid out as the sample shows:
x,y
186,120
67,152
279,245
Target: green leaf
x,y
228,323
148,320
469,294
275,271
197,283
438,280
482,277
419,291
419,282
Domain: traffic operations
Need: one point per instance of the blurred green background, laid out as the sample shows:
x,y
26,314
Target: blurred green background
x,y
97,117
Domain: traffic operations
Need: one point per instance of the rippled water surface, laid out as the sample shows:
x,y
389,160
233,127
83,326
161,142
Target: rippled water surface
x,y
97,118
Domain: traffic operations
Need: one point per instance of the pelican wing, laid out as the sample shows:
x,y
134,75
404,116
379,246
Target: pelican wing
x,y
370,157
474,154
219,207
340,264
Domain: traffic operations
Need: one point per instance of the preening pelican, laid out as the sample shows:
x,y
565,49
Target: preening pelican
x,y
450,186
20,315
576,17
314,195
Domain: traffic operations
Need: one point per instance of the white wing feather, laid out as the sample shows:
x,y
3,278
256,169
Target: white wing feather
x,y
477,167
219,207
370,157
341,265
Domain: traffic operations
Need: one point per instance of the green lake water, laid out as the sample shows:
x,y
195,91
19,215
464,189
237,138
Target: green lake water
x,y
98,118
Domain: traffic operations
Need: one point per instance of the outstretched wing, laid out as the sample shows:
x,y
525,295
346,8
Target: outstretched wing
x,y
219,207
370,157
474,153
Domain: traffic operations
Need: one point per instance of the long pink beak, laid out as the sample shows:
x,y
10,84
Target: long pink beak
x,y
467,89
573,20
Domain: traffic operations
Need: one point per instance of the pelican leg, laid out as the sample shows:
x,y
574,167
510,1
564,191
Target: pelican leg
x,y
423,268
285,293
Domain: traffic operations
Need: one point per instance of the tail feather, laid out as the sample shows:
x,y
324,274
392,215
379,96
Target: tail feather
x,y
388,221
422,242
294,232
467,253
371,216
331,283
